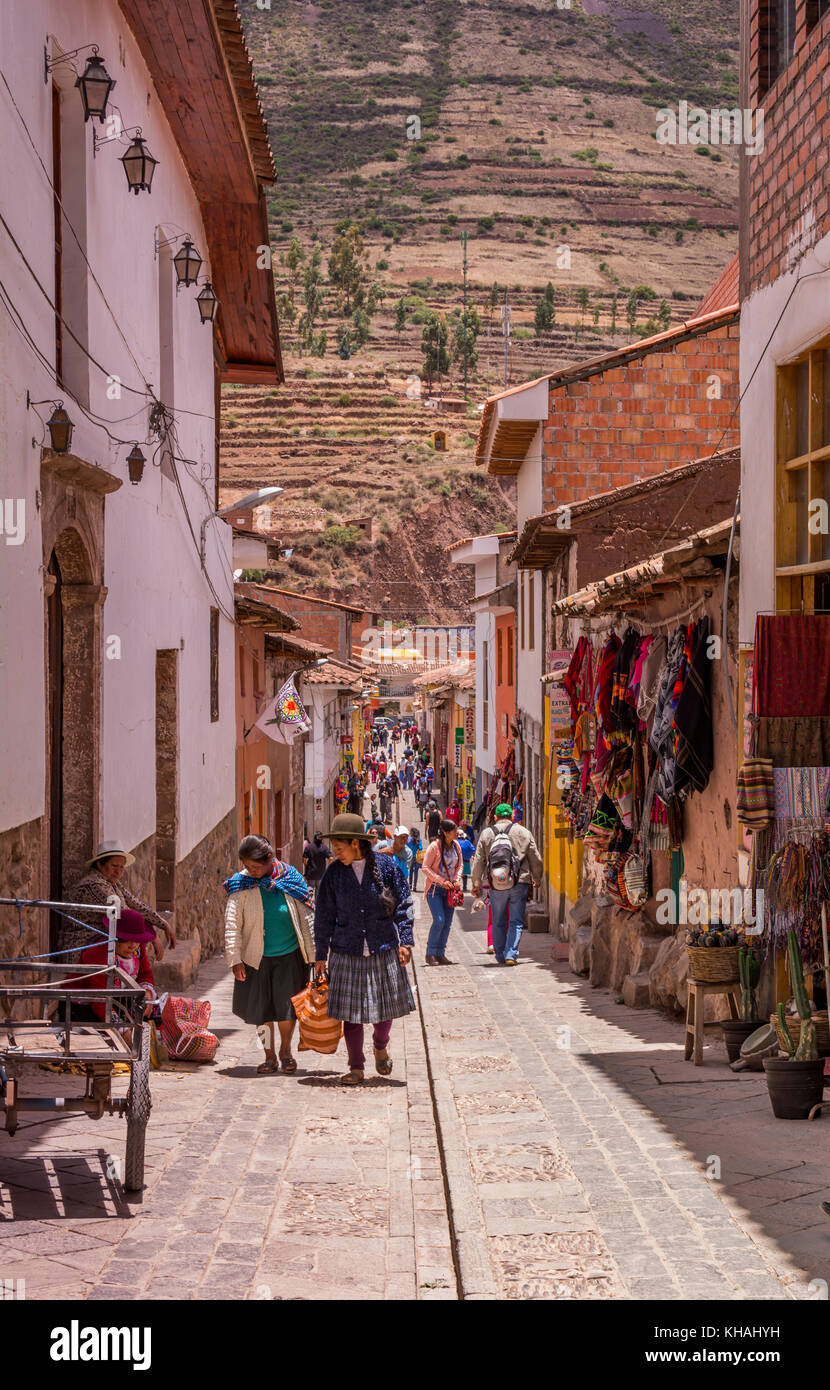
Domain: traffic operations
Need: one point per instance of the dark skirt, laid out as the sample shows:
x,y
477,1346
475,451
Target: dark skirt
x,y
264,996
368,989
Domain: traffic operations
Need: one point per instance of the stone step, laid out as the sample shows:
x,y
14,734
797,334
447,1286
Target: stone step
x,y
635,991
176,973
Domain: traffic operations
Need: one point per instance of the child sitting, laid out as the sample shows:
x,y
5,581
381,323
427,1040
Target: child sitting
x,y
131,936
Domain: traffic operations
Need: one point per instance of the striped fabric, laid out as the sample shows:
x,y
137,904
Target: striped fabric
x,y
319,1032
369,989
755,806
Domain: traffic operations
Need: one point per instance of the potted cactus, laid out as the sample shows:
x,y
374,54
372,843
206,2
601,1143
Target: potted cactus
x,y
795,1082
737,1030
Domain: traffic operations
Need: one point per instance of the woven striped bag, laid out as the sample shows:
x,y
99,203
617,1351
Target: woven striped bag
x,y
318,1032
755,801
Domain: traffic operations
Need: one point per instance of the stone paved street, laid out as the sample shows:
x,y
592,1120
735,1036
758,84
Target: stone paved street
x,y
257,1187
589,1139
573,1140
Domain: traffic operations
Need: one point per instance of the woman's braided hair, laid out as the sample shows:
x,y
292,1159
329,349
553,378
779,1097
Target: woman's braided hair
x,y
387,897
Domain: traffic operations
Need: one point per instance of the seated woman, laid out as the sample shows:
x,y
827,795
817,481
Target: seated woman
x,y
100,882
131,937
268,945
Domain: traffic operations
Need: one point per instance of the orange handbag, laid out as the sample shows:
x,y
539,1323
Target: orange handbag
x,y
318,1032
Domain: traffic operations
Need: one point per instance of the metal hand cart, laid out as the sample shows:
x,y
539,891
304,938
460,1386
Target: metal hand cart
x,y
95,1046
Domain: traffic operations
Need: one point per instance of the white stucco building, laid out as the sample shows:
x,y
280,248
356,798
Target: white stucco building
x,y
116,637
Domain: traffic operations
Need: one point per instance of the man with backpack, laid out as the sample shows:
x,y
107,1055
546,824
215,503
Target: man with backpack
x,y
315,860
508,859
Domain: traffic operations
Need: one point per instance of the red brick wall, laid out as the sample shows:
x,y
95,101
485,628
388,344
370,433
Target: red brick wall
x,y
641,418
788,181
328,626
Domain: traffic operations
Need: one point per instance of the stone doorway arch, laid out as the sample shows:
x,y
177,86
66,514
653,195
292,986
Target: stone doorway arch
x,y
73,707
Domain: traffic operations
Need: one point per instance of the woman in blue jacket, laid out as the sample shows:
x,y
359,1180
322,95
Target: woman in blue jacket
x,y
363,932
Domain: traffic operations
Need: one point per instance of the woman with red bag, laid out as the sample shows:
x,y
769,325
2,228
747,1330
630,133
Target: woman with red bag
x,y
442,866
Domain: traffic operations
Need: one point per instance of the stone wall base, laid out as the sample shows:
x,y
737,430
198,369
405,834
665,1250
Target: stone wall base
x,y
200,897
22,875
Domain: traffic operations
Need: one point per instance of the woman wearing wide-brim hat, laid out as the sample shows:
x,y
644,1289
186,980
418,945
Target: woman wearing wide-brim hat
x,y
363,933
100,882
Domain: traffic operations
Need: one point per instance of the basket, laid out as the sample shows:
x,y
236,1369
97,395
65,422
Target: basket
x,y
794,1024
713,964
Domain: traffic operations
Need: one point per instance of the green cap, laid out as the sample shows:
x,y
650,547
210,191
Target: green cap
x,y
504,810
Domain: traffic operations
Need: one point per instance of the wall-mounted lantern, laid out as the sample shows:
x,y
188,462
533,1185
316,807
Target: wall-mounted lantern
x,y
187,263
135,465
139,164
207,302
60,429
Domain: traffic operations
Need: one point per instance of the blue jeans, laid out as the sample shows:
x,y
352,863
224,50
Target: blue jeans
x,y
506,937
441,921
414,870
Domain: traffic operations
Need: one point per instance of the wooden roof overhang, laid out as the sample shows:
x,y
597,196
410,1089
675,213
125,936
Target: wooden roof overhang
x,y
541,543
251,612
195,52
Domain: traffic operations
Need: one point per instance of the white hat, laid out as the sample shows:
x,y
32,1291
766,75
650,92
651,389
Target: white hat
x,y
402,830
106,848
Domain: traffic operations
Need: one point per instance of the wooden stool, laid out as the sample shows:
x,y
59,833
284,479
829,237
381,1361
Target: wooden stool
x,y
695,1025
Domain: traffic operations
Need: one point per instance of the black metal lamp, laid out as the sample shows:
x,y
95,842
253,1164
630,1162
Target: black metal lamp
x,y
135,464
187,262
60,429
95,86
139,164
207,302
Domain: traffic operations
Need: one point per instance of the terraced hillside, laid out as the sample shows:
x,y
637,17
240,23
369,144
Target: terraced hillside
x,y
530,126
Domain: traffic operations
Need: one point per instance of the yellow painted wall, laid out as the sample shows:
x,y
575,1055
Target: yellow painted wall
x,y
563,862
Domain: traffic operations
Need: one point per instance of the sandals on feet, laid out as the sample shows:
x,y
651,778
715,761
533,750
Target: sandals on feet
x,y
267,1068
288,1063
353,1078
383,1062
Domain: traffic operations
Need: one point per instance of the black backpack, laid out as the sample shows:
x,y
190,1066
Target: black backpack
x,y
503,867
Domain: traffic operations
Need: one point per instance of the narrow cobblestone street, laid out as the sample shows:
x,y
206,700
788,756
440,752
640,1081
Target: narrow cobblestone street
x,y
549,1143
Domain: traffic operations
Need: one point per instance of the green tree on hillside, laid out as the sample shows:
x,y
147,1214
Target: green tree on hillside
x,y
348,267
631,307
544,315
582,298
614,312
464,339
291,259
360,324
313,296
434,347
664,316
400,316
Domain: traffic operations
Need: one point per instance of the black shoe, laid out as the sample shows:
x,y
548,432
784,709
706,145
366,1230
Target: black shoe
x,y
825,1206
432,960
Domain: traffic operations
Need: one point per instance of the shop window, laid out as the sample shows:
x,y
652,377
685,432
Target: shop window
x,y
522,610
816,10
776,24
802,542
510,656
214,665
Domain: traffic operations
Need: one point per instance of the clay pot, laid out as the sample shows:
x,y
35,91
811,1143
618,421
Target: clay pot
x,y
794,1087
735,1032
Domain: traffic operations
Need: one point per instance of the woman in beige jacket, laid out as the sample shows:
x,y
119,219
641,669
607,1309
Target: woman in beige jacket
x,y
268,945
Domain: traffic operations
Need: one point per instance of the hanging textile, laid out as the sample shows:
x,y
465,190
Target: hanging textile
x,y
800,797
791,670
579,677
695,750
604,683
650,677
662,739
795,742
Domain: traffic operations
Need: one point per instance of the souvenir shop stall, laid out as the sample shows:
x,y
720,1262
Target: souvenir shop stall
x,y
640,744
783,793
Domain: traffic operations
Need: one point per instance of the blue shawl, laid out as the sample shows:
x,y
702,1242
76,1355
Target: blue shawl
x,y
283,877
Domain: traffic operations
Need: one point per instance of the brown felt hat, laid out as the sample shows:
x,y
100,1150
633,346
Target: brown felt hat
x,y
347,827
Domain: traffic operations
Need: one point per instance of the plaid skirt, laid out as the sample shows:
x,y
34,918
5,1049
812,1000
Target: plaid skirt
x,y
368,989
